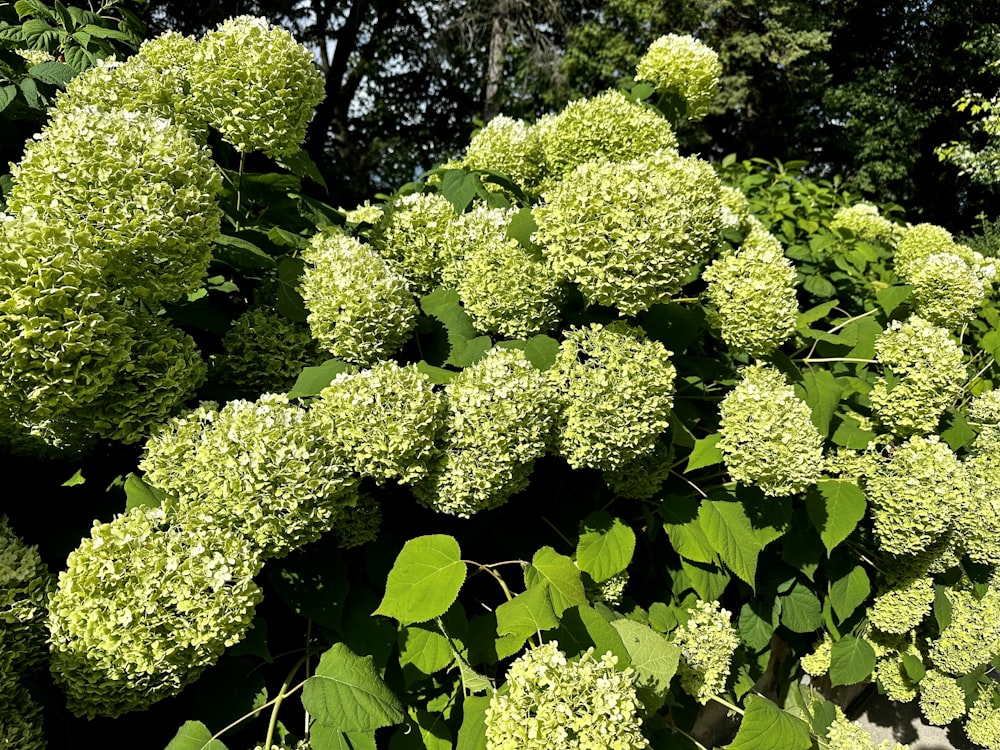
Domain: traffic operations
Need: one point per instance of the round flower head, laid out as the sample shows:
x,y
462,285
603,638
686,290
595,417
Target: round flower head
x,y
25,585
360,309
946,291
752,291
707,642
979,528
865,222
256,85
890,672
366,213
972,637
265,351
817,662
942,699
982,726
927,375
499,415
916,495
135,193
844,734
984,413
768,438
385,419
642,477
608,126
260,469
629,233
511,147
550,701
416,235
615,390
683,66
144,607
923,240
903,604
167,452
21,719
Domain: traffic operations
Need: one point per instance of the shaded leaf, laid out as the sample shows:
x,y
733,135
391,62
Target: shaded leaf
x,y
312,380
347,693
561,577
194,735
835,506
729,531
851,661
605,547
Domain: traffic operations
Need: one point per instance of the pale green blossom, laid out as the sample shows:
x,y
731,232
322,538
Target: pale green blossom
x,y
902,604
25,585
360,308
552,702
982,725
707,641
817,662
768,438
942,699
946,291
972,637
865,222
752,292
511,147
629,233
844,734
683,66
416,233
891,674
21,718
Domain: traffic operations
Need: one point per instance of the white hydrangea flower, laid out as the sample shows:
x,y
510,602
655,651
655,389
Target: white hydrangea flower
x,y
707,642
684,66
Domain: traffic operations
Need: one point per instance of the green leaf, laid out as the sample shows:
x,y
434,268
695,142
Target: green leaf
x,y
835,506
756,623
653,657
959,433
425,579
312,380
522,226
849,592
605,547
137,492
851,661
801,611
819,286
892,297
241,254
850,434
437,375
914,667
346,693
731,534
541,350
560,576
526,614
75,480
32,97
290,303
465,343
193,735
707,580
53,72
425,648
822,396
807,318
301,165
705,453
459,187
327,738
767,727
472,681
472,735
680,513
7,95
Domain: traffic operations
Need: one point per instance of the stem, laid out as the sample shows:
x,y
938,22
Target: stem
x,y
681,731
497,576
244,717
814,360
283,693
239,189
727,704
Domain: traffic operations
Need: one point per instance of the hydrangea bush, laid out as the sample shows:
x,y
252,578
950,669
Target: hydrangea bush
x,y
577,441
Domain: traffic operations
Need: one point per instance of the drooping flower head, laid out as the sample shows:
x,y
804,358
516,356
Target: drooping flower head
x,y
707,641
942,699
982,725
946,290
972,637
683,66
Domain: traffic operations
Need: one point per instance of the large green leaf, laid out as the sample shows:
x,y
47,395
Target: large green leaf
x,y
835,506
425,648
822,394
346,693
526,614
605,547
851,661
562,578
705,453
312,380
652,656
680,513
729,531
194,735
425,579
472,734
849,592
767,727
465,343
801,611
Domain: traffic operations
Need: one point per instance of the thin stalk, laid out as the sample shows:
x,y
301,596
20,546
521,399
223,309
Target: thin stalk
x,y
283,693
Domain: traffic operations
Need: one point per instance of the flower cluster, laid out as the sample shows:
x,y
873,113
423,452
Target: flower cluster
x,y
942,699
865,222
25,584
386,420
903,604
844,734
642,477
615,389
753,294
256,85
768,438
264,351
499,414
982,725
946,291
817,662
926,374
144,607
511,147
628,233
360,309
707,642
923,240
260,469
607,126
550,701
972,638
21,720
984,413
916,494
683,66
416,234
891,674
978,529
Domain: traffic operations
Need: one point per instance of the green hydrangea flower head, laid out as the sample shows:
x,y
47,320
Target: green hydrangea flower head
x,y
844,734
902,604
21,718
984,414
256,85
511,147
752,292
260,469
264,351
166,454
642,477
817,662
972,638
946,291
891,674
500,412
480,225
365,213
982,725
922,240
550,701
25,585
416,234
736,211
360,308
942,699
768,438
503,286
628,233
915,495
615,390
136,194
386,419
609,592
978,529
865,222
143,607
683,66
925,375
707,642
609,126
